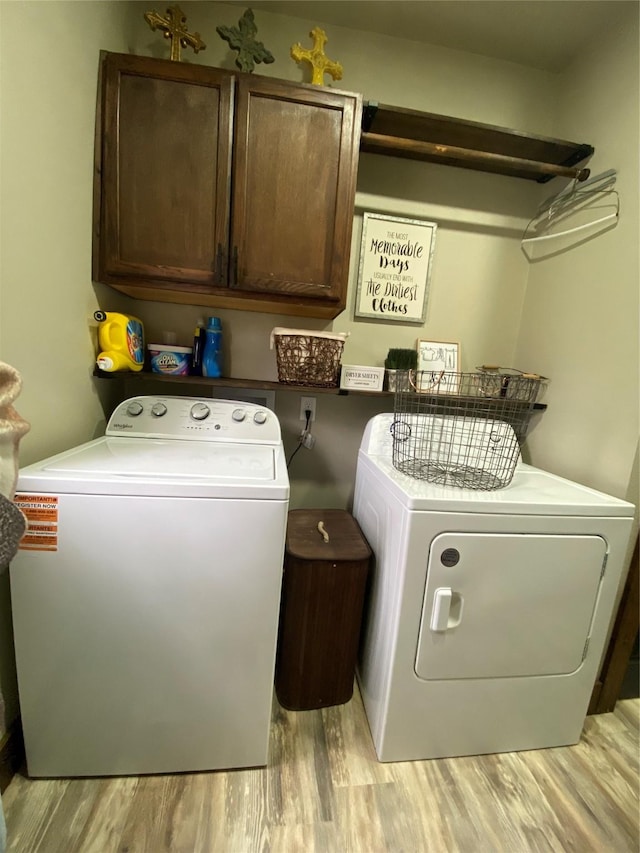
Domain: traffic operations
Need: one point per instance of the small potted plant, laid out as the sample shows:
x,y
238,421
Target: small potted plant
x,y
397,364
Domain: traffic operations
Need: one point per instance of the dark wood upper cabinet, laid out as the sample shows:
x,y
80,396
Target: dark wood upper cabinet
x,y
222,189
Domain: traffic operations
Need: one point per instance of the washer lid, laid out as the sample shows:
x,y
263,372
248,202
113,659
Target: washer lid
x,y
131,466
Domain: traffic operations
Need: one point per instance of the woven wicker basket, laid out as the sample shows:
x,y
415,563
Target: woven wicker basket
x,y
308,358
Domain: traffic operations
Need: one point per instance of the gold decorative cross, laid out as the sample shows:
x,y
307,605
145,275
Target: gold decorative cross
x,y
320,63
175,28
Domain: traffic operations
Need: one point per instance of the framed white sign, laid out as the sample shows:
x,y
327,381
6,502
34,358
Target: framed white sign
x,y
438,366
395,267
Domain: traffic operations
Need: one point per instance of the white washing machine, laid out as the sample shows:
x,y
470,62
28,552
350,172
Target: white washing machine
x,y
146,592
488,612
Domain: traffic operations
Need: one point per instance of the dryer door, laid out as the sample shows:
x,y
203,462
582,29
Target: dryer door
x,y
504,605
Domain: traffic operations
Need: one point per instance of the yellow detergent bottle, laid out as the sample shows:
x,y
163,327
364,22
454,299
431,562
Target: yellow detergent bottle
x,y
121,341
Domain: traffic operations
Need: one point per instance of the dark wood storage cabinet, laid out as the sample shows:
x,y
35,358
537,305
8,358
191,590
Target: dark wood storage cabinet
x,y
224,189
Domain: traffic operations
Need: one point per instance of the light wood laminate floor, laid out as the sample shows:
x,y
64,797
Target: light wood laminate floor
x,y
325,791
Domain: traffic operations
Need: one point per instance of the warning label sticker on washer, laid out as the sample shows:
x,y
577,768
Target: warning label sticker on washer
x,y
41,512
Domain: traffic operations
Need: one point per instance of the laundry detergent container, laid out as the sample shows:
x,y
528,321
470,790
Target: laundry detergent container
x,y
325,575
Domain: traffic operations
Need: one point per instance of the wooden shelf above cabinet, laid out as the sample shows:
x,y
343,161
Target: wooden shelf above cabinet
x,y
453,142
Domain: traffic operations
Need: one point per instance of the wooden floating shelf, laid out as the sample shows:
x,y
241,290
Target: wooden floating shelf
x,y
262,384
449,141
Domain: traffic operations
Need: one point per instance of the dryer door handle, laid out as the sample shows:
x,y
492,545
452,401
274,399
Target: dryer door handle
x,y
441,608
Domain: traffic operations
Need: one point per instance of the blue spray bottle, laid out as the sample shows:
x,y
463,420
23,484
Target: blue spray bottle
x,y
212,354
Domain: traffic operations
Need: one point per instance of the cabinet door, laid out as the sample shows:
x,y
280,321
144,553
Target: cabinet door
x,y
166,165
295,163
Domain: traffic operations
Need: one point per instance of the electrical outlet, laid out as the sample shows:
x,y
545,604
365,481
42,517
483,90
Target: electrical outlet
x,y
307,404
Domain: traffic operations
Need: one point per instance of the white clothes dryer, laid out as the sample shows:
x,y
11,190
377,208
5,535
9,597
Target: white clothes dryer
x,y
146,592
489,611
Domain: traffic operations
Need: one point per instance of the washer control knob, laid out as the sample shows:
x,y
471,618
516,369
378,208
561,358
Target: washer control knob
x,y
134,409
200,411
260,417
238,415
158,410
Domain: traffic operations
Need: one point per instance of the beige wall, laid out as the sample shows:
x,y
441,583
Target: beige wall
x,y
580,317
49,60
480,279
49,55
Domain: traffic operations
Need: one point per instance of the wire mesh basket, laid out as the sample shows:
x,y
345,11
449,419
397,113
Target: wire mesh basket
x,y
308,358
463,429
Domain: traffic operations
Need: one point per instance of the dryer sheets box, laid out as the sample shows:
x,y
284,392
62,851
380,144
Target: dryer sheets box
x,y
361,378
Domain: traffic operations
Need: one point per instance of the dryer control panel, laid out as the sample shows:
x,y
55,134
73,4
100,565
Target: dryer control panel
x,y
195,418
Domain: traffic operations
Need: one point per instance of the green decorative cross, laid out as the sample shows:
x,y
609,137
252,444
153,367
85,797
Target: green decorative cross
x,y
174,27
243,39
